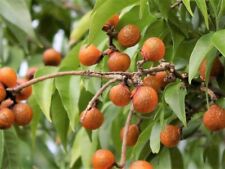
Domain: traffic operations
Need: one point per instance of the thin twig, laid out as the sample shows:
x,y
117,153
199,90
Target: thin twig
x,y
209,91
96,96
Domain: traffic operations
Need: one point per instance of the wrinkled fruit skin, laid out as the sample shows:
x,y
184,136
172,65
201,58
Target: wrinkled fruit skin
x,y
30,73
129,35
152,82
118,62
51,57
141,164
89,55
23,114
170,136
153,49
145,99
217,68
103,159
113,21
214,118
2,92
132,136
25,93
8,77
120,95
93,119
7,118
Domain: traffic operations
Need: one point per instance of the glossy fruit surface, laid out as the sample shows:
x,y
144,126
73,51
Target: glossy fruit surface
x,y
132,136
30,73
141,164
129,35
7,118
145,99
23,114
153,49
89,55
2,92
92,120
118,61
152,82
51,57
8,76
113,21
120,95
170,136
25,93
214,118
103,159
161,77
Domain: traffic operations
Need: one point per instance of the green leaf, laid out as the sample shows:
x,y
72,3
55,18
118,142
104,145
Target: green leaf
x,y
188,6
2,142
162,160
211,154
59,118
155,138
69,91
164,7
202,47
142,8
43,90
176,159
174,95
203,8
218,41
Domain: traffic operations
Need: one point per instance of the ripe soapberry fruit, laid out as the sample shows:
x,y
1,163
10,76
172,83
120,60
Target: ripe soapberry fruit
x,y
30,73
129,35
145,99
23,114
152,82
161,77
8,77
170,136
93,119
7,118
103,159
214,118
120,94
51,57
89,55
132,135
25,93
153,49
2,92
113,21
141,164
118,61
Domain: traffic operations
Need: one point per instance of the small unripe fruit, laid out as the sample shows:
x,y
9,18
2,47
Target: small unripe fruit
x,y
51,57
103,159
141,164
23,114
145,99
118,62
216,69
120,95
113,21
30,73
2,92
6,118
89,55
8,77
132,135
170,136
152,82
25,93
129,35
153,49
214,118
92,120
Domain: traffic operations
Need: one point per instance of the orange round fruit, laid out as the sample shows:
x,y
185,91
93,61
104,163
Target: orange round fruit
x,y
6,118
23,114
141,164
214,118
103,159
8,77
129,35
153,49
216,69
25,93
170,136
145,99
30,73
132,135
153,82
2,92
118,62
113,21
120,95
92,120
51,57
